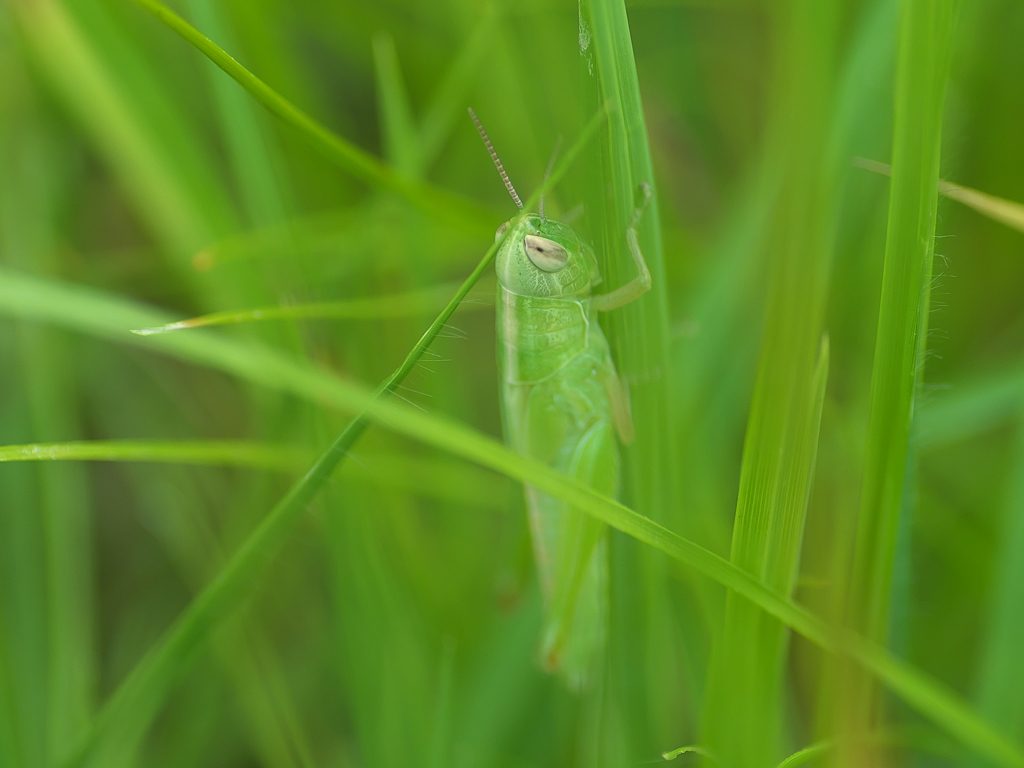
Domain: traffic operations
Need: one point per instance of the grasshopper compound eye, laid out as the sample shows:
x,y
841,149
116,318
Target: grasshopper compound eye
x,y
546,255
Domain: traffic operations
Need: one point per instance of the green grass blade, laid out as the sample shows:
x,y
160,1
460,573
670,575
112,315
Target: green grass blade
x,y
434,201
1000,678
806,755
410,304
997,208
969,409
638,335
923,62
922,65
237,453
245,138
446,106
400,140
435,479
742,719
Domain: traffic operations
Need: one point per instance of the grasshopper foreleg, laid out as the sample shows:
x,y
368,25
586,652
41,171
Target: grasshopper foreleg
x,y
640,284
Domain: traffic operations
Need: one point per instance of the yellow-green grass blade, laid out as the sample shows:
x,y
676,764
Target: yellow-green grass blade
x,y
409,304
997,208
742,717
434,201
340,242
237,453
922,65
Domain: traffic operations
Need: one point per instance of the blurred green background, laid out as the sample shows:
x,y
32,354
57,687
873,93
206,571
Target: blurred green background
x,y
398,623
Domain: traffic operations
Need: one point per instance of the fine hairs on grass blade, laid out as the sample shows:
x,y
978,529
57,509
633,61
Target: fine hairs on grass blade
x,y
410,304
126,716
1000,209
434,201
922,63
742,716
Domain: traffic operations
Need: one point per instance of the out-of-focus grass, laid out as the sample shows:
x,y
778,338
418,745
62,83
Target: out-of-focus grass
x,y
397,623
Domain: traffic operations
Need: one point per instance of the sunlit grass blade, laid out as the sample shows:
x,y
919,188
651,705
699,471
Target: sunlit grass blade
x,y
922,66
434,201
127,714
411,304
998,208
237,453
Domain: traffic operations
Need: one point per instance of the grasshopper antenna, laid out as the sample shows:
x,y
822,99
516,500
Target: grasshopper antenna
x,y
547,171
496,159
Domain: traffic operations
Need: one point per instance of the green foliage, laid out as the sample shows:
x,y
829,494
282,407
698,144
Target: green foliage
x,y
236,545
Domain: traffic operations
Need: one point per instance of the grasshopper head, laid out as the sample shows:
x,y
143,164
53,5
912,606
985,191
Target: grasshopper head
x,y
545,259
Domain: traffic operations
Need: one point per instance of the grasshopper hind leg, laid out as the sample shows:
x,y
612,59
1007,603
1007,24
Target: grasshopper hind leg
x,y
574,625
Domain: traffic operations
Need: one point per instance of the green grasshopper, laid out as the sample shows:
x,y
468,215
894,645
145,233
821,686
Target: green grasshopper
x,y
563,403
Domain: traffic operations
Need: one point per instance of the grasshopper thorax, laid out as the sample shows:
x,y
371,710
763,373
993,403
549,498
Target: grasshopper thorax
x,y
544,258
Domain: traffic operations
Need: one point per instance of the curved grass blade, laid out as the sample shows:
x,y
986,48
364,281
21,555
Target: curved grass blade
x,y
806,754
411,304
692,749
926,695
434,201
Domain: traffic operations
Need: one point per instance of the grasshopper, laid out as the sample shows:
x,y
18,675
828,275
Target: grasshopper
x,y
563,404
